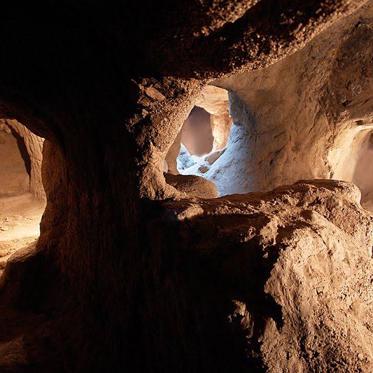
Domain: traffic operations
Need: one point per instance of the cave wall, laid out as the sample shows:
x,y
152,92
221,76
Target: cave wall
x,y
362,175
300,117
215,101
299,303
107,90
13,173
33,145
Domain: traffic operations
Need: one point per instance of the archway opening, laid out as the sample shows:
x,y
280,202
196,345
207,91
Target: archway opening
x,y
203,139
22,198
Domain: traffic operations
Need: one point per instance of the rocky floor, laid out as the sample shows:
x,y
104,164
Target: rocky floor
x,y
19,224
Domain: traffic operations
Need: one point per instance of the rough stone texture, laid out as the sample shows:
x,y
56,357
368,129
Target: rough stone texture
x,y
304,117
363,171
295,265
266,33
215,101
221,126
34,148
13,173
172,155
109,86
192,186
268,282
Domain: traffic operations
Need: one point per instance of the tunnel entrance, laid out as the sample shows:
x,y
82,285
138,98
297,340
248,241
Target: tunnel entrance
x,y
203,138
22,200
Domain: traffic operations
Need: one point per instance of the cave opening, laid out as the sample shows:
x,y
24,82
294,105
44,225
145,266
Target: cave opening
x,y
22,197
197,141
203,138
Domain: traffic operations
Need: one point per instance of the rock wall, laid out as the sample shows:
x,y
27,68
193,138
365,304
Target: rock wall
x,y
14,178
363,175
301,117
172,155
215,101
107,288
271,282
34,148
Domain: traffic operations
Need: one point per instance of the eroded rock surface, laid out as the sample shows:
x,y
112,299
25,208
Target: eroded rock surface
x,y
117,281
265,282
296,265
13,173
192,186
34,153
215,101
306,116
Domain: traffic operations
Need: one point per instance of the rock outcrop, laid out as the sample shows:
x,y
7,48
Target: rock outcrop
x,y
274,282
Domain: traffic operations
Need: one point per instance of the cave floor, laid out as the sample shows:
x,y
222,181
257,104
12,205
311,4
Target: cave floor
x,y
19,224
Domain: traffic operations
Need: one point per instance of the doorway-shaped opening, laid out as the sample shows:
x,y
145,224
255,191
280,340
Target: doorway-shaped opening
x,y
22,200
203,137
196,134
196,138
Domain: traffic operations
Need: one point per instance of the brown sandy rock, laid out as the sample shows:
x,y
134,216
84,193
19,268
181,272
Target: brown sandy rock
x,y
215,101
296,263
307,116
193,186
34,148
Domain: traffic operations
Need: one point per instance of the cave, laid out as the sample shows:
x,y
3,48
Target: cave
x,y
22,197
261,261
202,139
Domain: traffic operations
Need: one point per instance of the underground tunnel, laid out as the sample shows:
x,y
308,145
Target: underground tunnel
x,y
186,186
21,191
